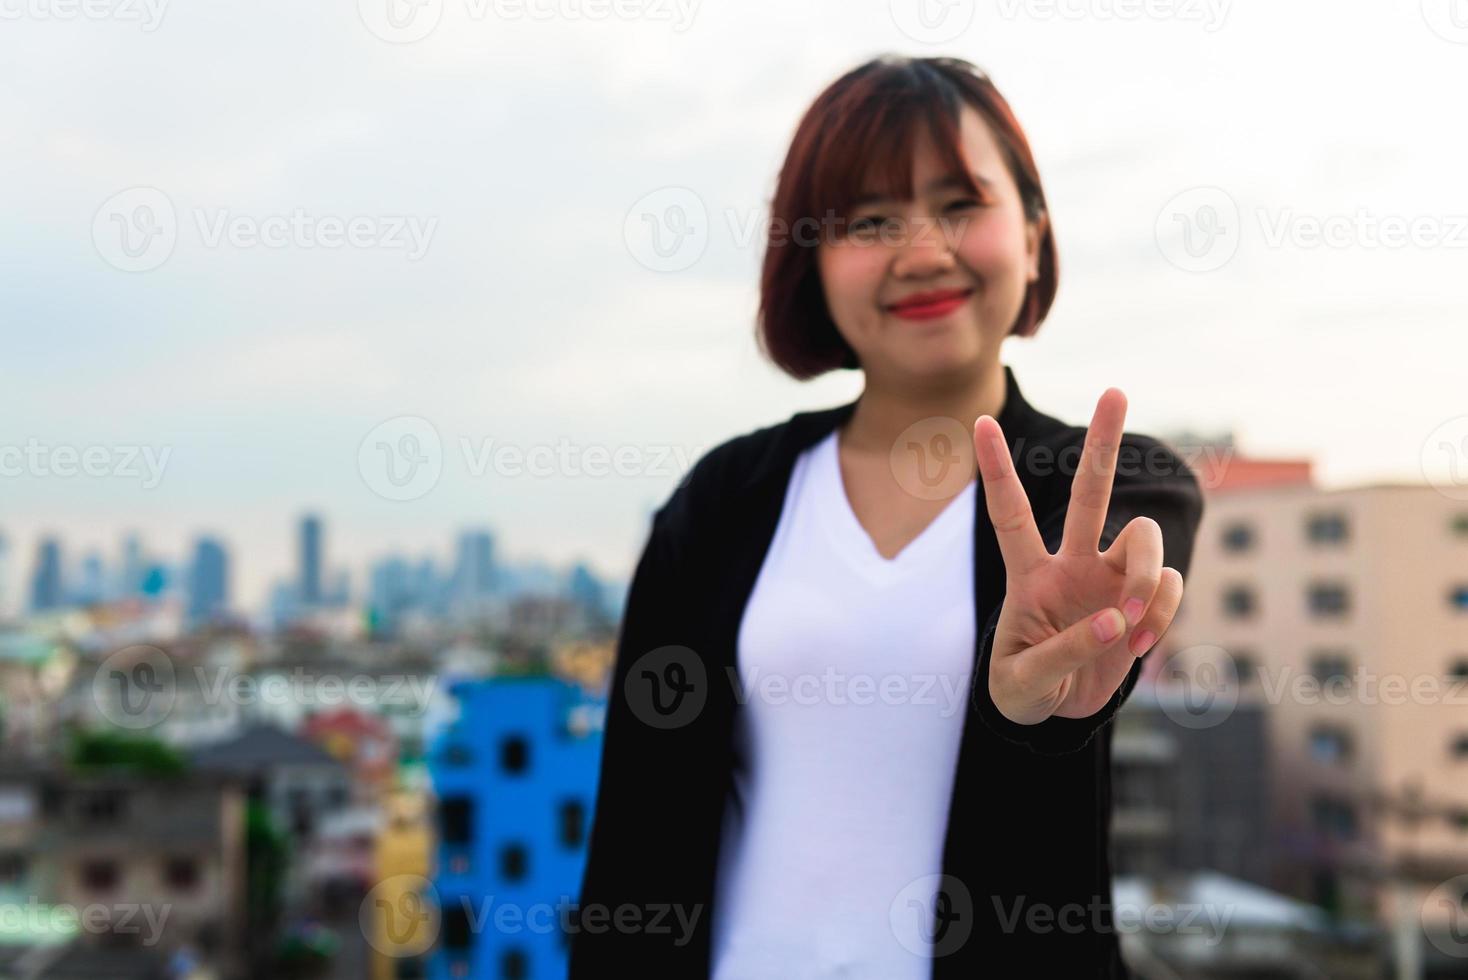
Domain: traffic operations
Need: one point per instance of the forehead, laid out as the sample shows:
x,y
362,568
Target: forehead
x,y
930,170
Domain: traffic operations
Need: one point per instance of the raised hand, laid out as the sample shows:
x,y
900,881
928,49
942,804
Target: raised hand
x,y
1074,622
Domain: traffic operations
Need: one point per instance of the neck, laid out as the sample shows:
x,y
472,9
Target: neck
x,y
883,411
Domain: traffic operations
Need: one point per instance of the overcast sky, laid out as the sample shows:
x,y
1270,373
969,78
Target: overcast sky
x,y
181,276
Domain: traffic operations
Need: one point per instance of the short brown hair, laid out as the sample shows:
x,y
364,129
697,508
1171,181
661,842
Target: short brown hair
x,y
871,115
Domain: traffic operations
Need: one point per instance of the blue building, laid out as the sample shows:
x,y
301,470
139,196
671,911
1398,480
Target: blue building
x,y
208,592
46,584
515,776
309,561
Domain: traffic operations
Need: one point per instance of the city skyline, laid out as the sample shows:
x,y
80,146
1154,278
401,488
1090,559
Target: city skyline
x,y
539,317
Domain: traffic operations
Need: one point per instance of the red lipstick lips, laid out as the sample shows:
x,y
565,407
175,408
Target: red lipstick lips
x,y
929,305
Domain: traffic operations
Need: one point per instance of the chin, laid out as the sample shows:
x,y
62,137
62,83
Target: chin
x,y
942,360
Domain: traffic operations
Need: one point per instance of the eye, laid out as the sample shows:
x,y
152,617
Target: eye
x,y
867,227
962,203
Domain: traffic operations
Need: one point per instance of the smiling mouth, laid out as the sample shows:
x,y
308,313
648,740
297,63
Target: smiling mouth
x,y
931,308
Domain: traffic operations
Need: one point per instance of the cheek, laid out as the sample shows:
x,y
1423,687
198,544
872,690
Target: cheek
x,y
996,242
852,275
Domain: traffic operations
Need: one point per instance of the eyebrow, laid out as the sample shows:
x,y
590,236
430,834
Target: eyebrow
x,y
951,181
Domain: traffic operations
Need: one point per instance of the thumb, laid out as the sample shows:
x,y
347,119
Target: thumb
x,y
1080,643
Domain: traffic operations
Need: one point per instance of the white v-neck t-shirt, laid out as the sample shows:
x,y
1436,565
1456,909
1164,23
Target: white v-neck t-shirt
x,y
854,679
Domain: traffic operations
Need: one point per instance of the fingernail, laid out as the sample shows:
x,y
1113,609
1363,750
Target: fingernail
x,y
1108,625
1142,641
1132,609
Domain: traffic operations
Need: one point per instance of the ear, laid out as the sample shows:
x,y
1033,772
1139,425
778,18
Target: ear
x,y
1034,234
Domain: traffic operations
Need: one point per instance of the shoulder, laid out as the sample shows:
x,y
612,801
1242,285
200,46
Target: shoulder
x,y
719,473
1047,457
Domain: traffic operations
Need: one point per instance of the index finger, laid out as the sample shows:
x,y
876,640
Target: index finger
x,y
1090,489
1004,496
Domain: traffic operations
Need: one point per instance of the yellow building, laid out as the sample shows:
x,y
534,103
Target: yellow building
x,y
398,915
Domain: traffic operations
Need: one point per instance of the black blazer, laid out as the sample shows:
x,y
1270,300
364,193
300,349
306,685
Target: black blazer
x,y
1028,881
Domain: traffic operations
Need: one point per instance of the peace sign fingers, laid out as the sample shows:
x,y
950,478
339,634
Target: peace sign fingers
x,y
1090,490
1004,496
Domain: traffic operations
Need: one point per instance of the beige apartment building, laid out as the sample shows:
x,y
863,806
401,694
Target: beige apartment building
x,y
1344,613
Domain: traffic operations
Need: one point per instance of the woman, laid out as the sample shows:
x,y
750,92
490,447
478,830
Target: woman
x,y
937,802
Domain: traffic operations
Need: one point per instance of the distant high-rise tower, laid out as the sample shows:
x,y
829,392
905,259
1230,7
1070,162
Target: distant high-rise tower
x,y
92,586
310,560
474,570
208,581
133,566
46,582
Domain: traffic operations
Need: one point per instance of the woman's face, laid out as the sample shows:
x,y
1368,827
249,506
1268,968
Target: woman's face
x,y
940,239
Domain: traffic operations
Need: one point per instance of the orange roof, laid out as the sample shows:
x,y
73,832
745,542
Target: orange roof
x,y
1236,473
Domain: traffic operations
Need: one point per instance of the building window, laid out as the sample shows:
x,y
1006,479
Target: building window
x,y
514,965
513,861
1458,597
1326,528
1246,667
1239,602
13,865
1330,746
1330,667
411,968
1333,817
99,876
181,873
103,807
1238,537
1328,599
456,820
457,933
1460,746
514,754
573,823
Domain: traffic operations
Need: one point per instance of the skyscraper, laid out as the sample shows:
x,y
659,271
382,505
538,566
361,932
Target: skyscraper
x,y
46,582
310,560
208,581
474,569
133,568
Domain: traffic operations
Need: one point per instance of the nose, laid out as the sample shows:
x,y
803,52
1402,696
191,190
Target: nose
x,y
924,252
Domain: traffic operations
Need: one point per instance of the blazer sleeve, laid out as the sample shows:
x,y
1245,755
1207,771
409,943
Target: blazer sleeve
x,y
1153,481
633,796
